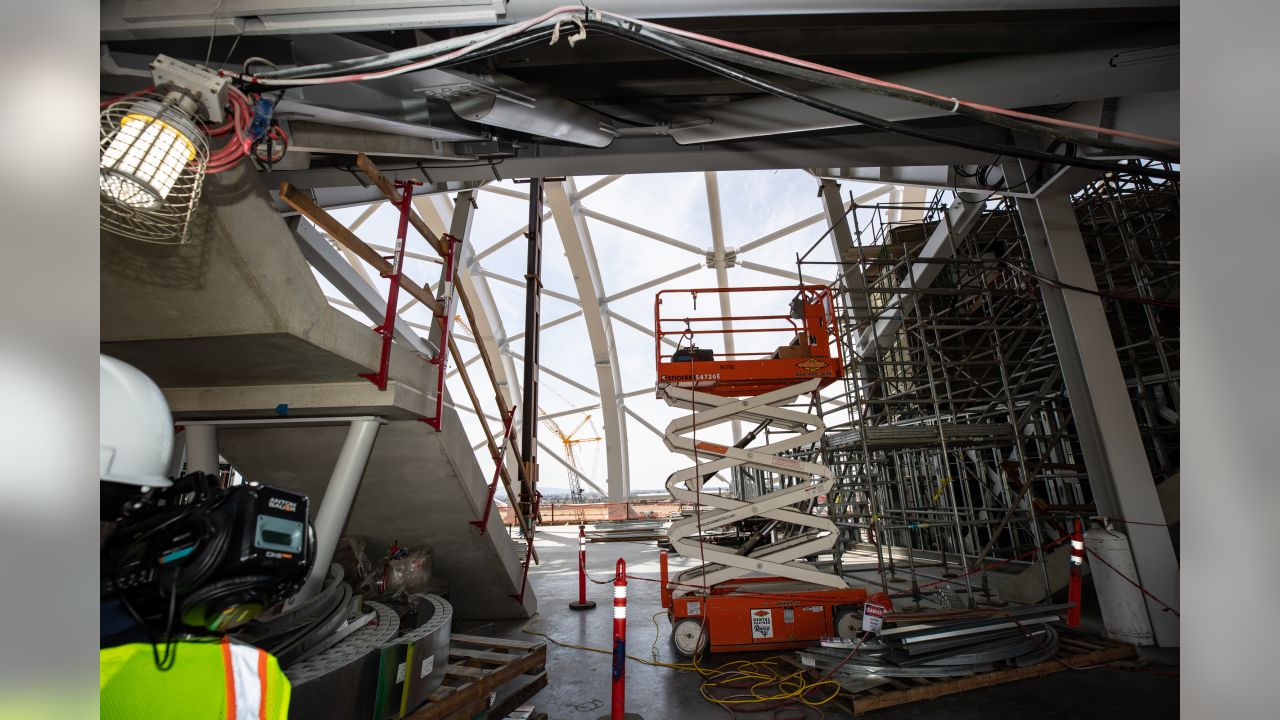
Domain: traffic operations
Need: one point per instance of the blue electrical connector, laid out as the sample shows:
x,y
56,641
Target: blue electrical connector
x,y
262,111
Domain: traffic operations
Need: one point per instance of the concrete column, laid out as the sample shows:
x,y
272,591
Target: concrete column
x,y
202,448
1119,474
338,497
179,454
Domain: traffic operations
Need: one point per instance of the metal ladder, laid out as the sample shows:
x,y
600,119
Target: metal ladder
x,y
782,557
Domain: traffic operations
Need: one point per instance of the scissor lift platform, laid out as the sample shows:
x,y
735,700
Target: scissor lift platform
x,y
806,350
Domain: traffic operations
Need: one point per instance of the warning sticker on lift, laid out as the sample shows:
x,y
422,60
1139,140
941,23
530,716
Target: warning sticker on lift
x,y
787,463
872,618
761,624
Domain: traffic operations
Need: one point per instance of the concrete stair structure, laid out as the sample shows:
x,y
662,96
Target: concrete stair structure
x,y
233,325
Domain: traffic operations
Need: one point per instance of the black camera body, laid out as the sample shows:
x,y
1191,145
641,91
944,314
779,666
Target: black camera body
x,y
211,558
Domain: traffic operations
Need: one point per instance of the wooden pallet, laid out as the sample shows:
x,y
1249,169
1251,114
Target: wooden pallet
x,y
486,678
1075,649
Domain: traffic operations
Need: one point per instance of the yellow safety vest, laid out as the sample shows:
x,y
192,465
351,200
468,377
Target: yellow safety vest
x,y
210,680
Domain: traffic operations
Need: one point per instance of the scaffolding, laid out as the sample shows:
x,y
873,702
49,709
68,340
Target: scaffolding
x,y
1130,225
952,443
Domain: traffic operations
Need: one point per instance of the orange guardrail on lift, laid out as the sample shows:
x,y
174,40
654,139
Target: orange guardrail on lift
x,y
780,350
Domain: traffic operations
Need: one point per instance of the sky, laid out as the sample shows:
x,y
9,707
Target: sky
x,y
753,204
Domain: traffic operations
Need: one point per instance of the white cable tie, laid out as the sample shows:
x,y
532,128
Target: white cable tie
x,y
956,106
574,38
582,31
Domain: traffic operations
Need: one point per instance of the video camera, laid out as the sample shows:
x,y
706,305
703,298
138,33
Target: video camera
x,y
207,557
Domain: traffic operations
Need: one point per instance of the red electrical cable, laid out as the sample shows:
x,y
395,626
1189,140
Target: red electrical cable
x,y
895,86
1134,583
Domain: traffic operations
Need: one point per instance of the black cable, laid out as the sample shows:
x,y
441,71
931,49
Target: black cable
x,y
674,50
163,664
1110,296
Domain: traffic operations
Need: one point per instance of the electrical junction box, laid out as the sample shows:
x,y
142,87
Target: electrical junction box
x,y
208,87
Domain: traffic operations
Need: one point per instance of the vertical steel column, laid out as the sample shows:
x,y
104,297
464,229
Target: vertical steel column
x,y
338,497
1119,473
852,278
202,449
532,325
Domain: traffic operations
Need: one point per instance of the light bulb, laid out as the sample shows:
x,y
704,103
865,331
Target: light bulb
x,y
147,156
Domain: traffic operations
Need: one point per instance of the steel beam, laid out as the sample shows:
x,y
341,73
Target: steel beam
x,y
562,198
941,177
1119,474
632,155
956,222
1024,81
842,243
347,279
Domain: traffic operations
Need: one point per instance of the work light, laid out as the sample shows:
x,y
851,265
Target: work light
x,y
153,161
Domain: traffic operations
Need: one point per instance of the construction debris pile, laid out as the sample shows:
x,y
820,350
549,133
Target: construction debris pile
x,y
949,643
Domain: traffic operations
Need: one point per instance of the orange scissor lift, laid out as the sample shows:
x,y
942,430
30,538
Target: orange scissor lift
x,y
760,593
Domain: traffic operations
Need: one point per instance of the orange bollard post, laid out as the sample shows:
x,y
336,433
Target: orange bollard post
x,y
618,711
583,603
1077,570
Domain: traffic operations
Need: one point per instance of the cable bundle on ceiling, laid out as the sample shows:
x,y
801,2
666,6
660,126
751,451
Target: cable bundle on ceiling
x,y
727,59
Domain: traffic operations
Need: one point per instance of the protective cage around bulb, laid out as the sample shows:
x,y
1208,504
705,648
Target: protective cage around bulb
x,y
153,156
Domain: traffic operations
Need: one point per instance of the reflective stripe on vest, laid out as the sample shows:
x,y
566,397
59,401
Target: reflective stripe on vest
x,y
246,671
210,679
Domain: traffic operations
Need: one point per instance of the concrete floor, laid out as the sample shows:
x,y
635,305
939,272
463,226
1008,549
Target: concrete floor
x,y
578,682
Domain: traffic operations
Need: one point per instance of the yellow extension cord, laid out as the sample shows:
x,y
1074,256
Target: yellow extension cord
x,y
771,672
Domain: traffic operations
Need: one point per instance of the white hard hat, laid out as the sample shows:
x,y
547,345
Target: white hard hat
x,y
136,431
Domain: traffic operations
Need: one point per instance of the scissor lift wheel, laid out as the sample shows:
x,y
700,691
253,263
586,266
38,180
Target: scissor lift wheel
x,y
848,623
689,637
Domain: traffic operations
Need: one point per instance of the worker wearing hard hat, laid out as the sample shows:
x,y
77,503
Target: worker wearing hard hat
x,y
171,587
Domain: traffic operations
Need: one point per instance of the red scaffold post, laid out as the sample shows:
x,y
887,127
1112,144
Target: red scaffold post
x,y
583,603
1077,570
388,327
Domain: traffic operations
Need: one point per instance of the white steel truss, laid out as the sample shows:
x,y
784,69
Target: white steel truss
x,y
591,295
